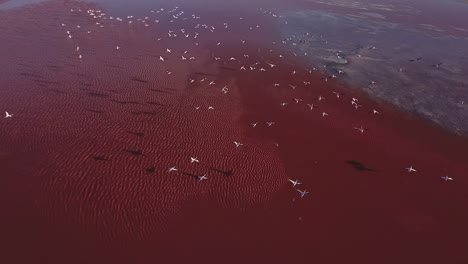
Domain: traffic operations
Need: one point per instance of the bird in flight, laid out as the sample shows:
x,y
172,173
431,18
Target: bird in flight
x,y
411,169
192,160
7,115
361,129
172,169
161,58
303,193
202,177
238,144
294,183
447,178
270,123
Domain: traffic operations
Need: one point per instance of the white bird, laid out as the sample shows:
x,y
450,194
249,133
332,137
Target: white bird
x,y
7,115
172,169
253,124
168,51
296,182
238,144
324,114
192,160
284,104
447,178
361,129
311,106
270,123
375,112
210,108
271,65
411,169
202,177
117,47
161,58
303,193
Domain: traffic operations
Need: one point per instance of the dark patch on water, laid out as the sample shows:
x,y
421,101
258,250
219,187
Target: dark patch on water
x,y
136,79
95,111
150,169
359,166
100,158
134,152
138,134
189,174
226,173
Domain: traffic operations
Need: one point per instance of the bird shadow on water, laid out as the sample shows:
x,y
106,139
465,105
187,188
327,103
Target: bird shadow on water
x,y
134,152
359,166
100,158
138,134
226,173
150,169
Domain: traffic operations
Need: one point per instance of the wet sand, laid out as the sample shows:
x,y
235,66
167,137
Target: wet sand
x,y
87,153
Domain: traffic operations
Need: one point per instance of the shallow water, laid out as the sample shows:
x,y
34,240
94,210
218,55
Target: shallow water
x,y
382,52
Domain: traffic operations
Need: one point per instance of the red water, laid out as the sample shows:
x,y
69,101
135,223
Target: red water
x,y
59,204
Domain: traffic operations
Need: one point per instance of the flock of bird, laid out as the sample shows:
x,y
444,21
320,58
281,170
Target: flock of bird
x,y
175,14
